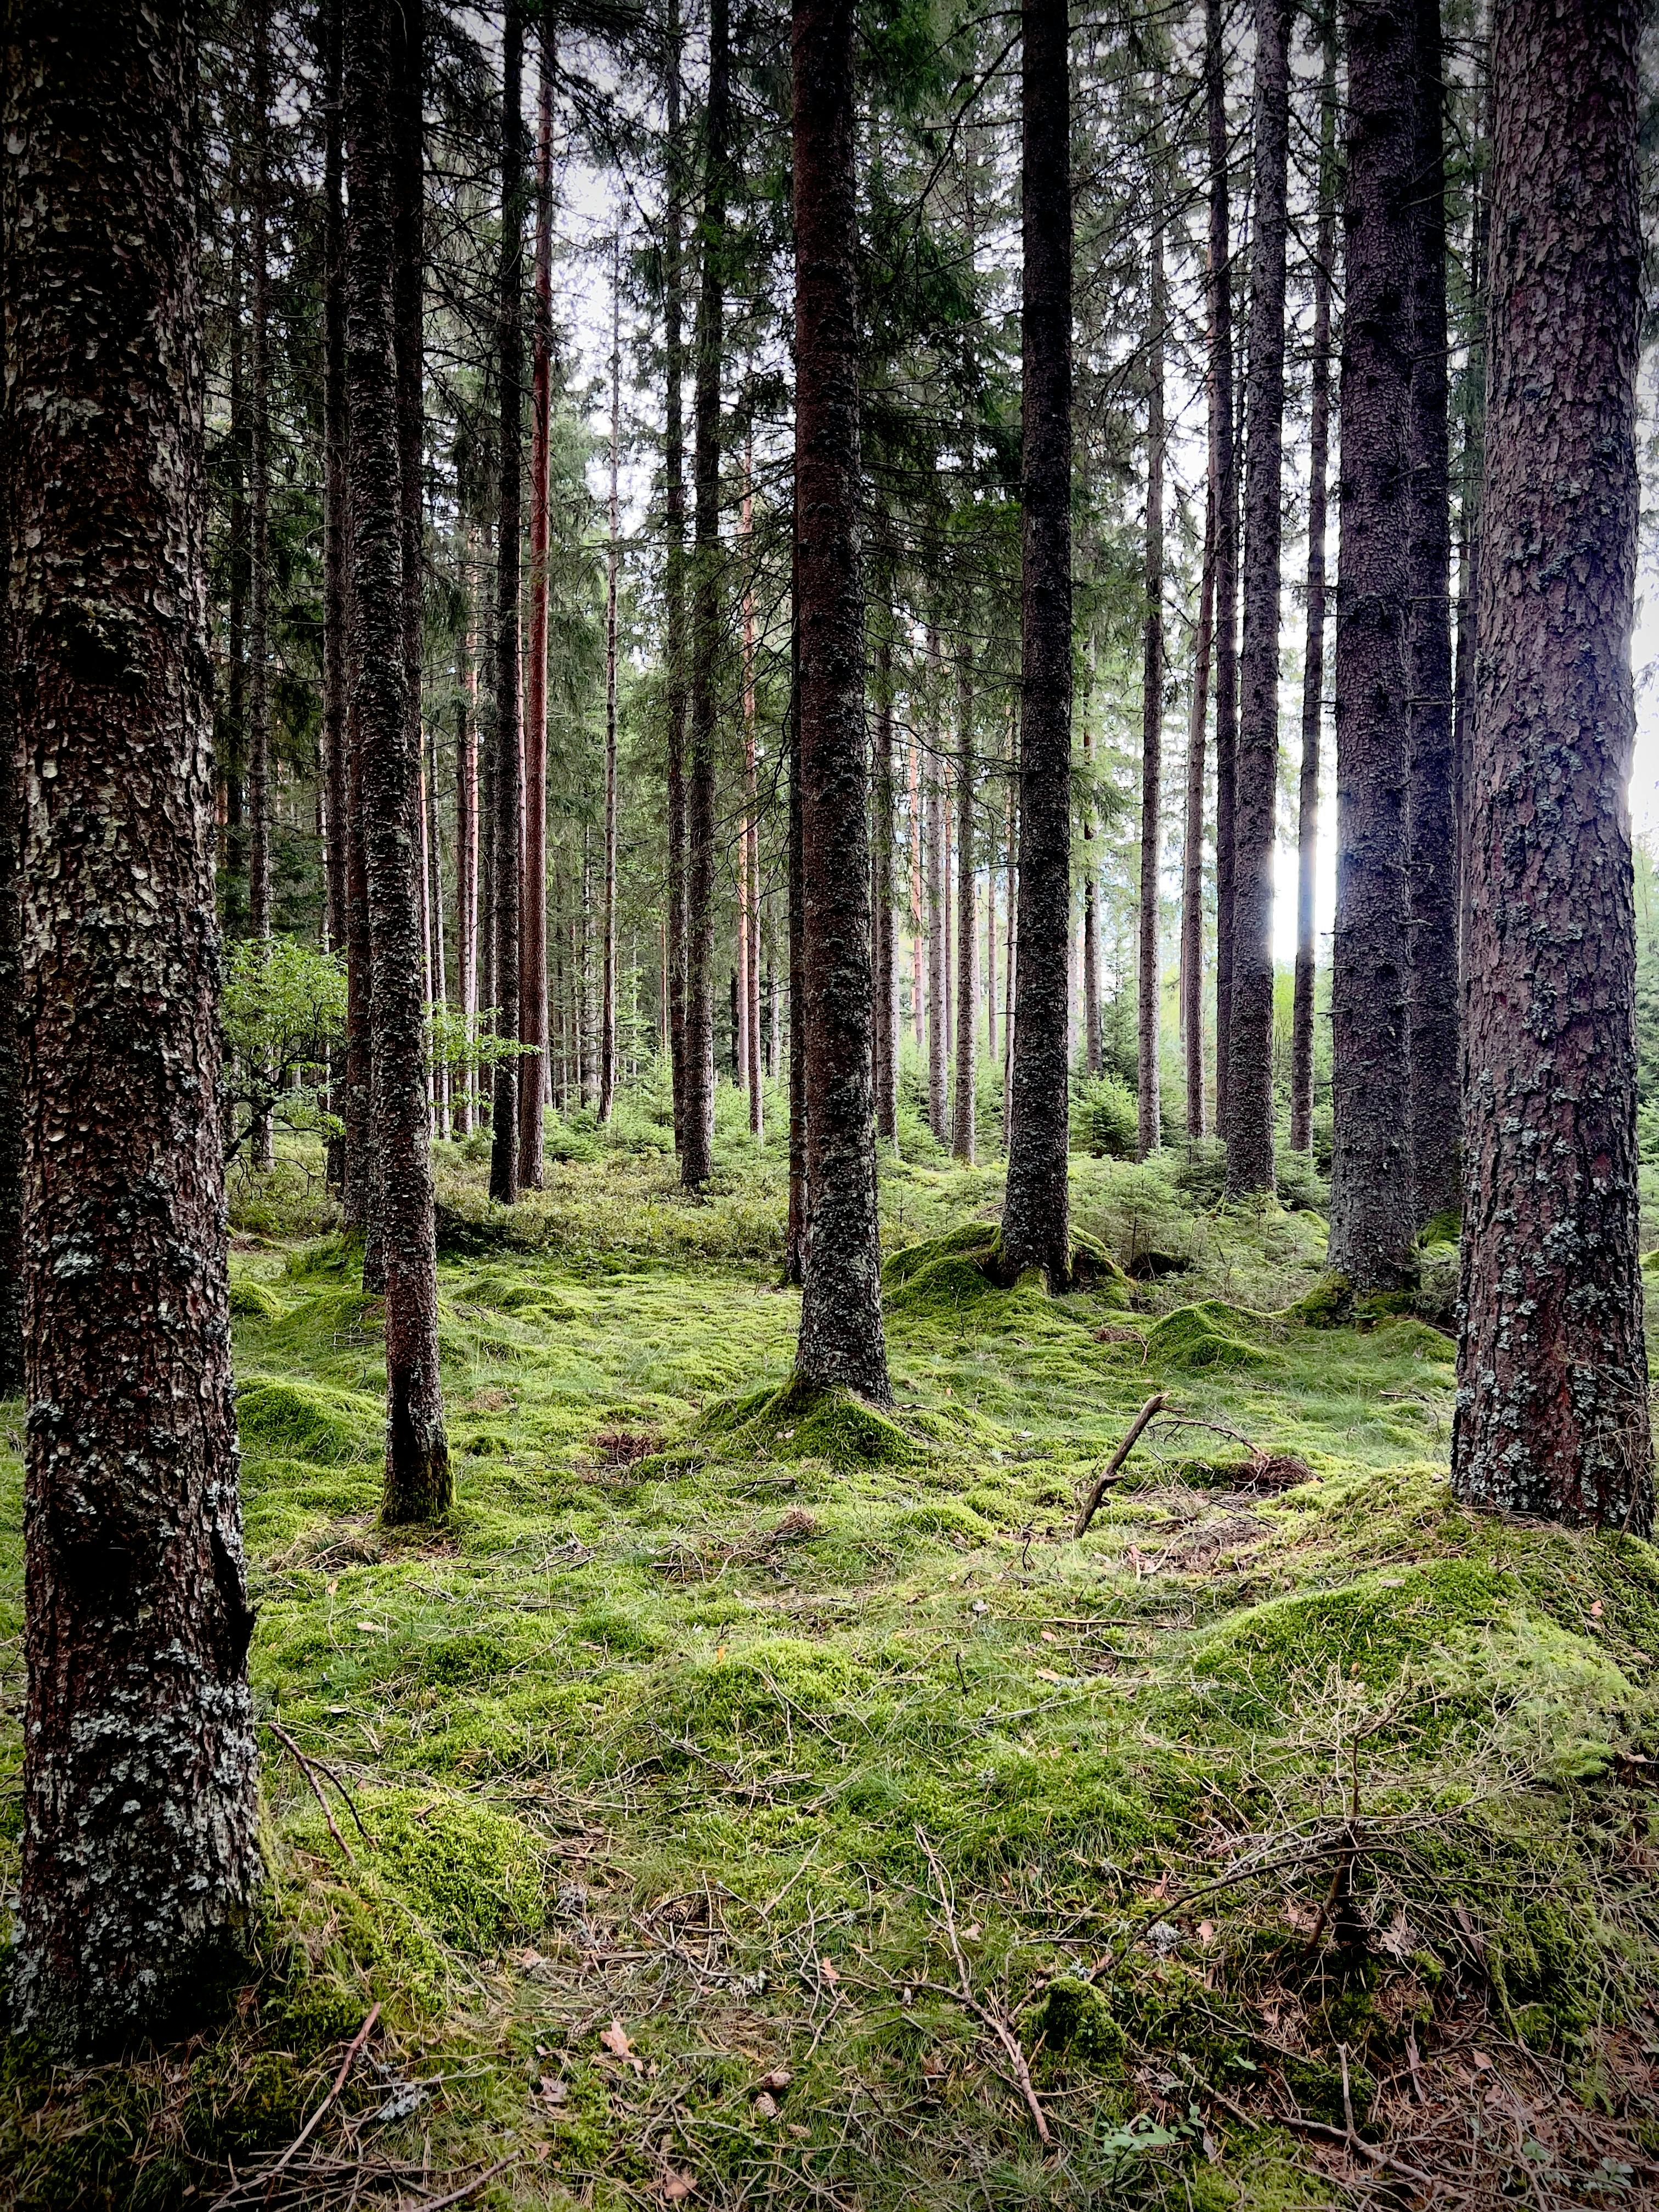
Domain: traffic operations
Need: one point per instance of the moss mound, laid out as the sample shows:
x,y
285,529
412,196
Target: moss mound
x,y
296,1420
967,1264
252,1300
797,1422
1204,1335
1073,2020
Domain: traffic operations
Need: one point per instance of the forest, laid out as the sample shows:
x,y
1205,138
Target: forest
x,y
829,1106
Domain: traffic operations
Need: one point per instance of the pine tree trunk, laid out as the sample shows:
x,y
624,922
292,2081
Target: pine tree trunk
x,y
938,988
1035,1227
436,935
1093,1042
918,838
967,918
379,51
466,856
508,777
887,1042
335,610
612,565
1223,474
675,686
698,1130
140,1852
1313,661
233,747
1371,1210
1250,1130
840,1343
1148,1105
1192,859
749,854
798,1233
1553,1412
1431,829
533,981
1012,963
11,938
261,1147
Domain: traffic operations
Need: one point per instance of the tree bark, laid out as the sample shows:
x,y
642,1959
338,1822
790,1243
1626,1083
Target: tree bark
x,y
1149,1105
698,1128
11,929
613,566
1371,1224
1093,1042
797,1236
840,1343
466,851
1192,862
1036,1227
918,954
335,611
140,1851
507,779
533,981
1431,829
939,987
417,1477
1553,1383
261,1146
1249,1129
967,917
1223,474
1313,664
674,570
886,1039
748,845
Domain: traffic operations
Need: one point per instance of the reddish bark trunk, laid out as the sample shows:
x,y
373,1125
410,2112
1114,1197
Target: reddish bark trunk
x,y
533,981
507,780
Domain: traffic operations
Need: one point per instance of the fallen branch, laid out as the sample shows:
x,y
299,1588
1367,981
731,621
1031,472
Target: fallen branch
x,y
457,2196
268,2178
964,1995
1092,1504
311,1769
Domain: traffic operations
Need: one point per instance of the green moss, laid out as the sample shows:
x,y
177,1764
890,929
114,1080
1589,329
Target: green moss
x,y
1074,2020
300,1420
1328,1304
252,1300
799,1422
1204,1335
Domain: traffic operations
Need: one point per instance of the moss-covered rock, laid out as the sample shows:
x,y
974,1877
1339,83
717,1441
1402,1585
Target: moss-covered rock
x,y
1073,2020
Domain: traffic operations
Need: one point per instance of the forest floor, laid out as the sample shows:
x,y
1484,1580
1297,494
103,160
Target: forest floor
x,y
731,1806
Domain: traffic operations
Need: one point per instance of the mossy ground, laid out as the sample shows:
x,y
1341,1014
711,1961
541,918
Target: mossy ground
x,y
722,1719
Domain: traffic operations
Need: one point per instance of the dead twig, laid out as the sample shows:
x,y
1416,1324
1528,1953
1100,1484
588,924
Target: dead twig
x,y
310,1768
1092,1503
457,2196
964,1995
269,2177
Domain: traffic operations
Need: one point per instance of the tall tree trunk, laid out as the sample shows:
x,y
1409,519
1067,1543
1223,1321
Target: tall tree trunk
x,y
1093,1041
1249,1129
1036,1225
612,565
140,1848
258,752
1313,663
887,1041
1371,1210
232,758
698,1130
797,1235
1223,474
533,981
917,930
1012,963
1148,1105
466,854
675,685
435,934
507,779
335,609
841,1345
487,813
11,929
749,847
967,915
939,986
1553,1382
1432,828
1192,859
382,49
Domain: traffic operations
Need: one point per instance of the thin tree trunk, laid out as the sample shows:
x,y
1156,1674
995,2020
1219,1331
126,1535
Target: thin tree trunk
x,y
504,1132
1249,1129
1149,1102
939,987
674,572
258,752
141,1865
612,565
1036,1225
749,850
967,916
886,1041
533,981
1092,1039
698,1130
1010,963
1192,864
1223,474
1371,1210
487,813
1313,664
467,856
232,752
840,1343
440,989
1553,1412
1432,826
336,611
917,839
797,1235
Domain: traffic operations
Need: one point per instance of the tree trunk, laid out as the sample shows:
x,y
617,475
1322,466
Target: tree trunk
x,y
887,1042
967,916
381,50
938,988
466,854
335,609
261,1147
1223,474
1250,1130
233,750
1192,861
11,938
841,1345
612,565
487,813
749,843
1093,1042
1011,961
533,981
1313,664
1553,1384
435,934
504,1118
698,1130
798,1232
1035,1227
918,838
1371,1224
140,1851
674,573
1432,829
1149,1114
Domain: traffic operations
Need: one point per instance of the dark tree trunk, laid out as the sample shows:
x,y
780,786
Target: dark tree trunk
x,y
1431,830
417,1478
140,1852
1223,474
11,927
1371,1224
796,1238
487,812
674,572
507,792
467,856
258,744
1192,858
1313,664
533,981
1250,1128
967,917
841,1345
233,750
1553,1383
938,988
1149,1105
698,1130
1093,1040
886,1033
334,531
612,565
1035,1219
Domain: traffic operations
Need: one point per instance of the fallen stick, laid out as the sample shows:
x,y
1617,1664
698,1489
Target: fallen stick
x,y
964,1995
238,2188
310,1770
457,2195
1092,1504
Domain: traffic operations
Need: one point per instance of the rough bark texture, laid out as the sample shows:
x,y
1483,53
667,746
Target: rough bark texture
x,y
937,985
258,734
1149,1008
1431,831
841,1345
612,568
333,740
417,1479
1093,1041
749,1026
1192,859
797,1234
507,786
1553,1385
1249,1126
1371,1224
674,672
1313,663
11,927
1223,474
967,919
697,1128
1035,1227
467,856
886,1036
533,981
140,1857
